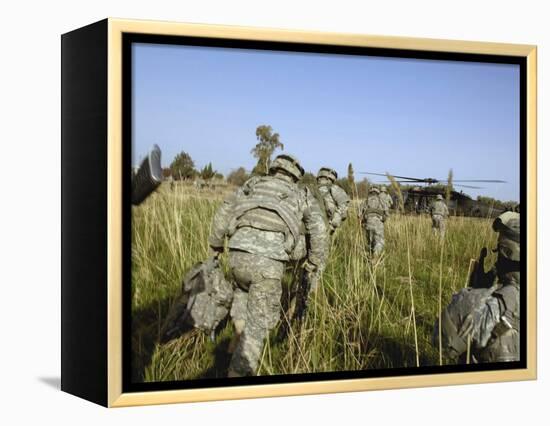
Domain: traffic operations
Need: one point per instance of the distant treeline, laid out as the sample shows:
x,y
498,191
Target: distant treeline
x,y
268,141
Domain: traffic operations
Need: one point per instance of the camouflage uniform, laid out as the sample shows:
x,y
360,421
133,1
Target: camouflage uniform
x,y
386,198
266,221
439,212
488,315
373,213
335,200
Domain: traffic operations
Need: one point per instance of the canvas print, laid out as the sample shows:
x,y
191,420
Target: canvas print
x,y
300,213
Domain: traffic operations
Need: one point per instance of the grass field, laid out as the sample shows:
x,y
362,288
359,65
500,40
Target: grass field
x,y
363,316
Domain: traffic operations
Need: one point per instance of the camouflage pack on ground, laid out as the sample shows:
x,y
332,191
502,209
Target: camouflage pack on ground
x,y
210,295
205,300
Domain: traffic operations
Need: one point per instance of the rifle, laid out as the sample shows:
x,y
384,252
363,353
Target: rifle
x,y
478,277
308,281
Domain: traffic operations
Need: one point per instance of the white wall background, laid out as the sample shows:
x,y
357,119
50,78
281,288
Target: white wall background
x,y
30,210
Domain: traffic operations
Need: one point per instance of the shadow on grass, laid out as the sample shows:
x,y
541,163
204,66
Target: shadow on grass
x,y
148,331
221,359
392,352
147,325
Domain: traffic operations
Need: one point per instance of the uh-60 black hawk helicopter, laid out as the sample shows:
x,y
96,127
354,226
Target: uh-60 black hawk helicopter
x,y
419,193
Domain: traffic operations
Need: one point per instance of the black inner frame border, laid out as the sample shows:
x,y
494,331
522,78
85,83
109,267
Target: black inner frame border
x,y
129,38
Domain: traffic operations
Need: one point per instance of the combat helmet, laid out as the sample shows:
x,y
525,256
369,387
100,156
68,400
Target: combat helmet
x,y
383,189
288,164
328,173
439,197
508,227
374,189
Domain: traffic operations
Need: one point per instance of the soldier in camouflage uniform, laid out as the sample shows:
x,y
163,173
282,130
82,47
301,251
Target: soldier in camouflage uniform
x,y
266,223
373,214
439,212
335,200
488,315
386,198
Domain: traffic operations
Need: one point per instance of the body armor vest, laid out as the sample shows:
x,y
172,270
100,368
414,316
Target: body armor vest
x,y
374,206
270,204
439,208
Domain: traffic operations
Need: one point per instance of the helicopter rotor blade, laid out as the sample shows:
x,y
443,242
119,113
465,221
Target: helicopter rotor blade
x,y
411,182
395,176
369,173
432,180
469,186
480,180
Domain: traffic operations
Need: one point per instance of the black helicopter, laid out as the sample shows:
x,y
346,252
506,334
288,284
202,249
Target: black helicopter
x,y
417,199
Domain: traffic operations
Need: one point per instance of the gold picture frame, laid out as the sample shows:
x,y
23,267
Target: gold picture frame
x,y
110,32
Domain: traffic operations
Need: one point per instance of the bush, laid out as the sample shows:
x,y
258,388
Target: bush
x,y
238,177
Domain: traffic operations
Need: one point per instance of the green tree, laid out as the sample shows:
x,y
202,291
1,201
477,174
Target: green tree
x,y
183,166
363,188
492,202
238,177
207,172
344,184
309,179
268,142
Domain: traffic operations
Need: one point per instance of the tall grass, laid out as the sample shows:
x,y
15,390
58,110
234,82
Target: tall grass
x,y
363,315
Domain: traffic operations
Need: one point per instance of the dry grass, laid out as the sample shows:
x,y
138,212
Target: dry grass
x,y
362,316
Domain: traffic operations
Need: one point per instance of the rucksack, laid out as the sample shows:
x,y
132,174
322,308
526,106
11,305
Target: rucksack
x,y
205,300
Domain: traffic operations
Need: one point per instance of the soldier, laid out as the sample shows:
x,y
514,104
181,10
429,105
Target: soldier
x,y
386,198
488,316
439,212
335,200
373,214
264,222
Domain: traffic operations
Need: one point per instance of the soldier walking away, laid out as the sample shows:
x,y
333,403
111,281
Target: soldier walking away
x,y
487,317
439,212
266,223
386,198
335,200
373,215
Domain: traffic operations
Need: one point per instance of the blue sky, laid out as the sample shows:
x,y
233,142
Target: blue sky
x,y
406,116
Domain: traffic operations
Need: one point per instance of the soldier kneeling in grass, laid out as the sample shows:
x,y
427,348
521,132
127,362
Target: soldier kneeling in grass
x,y
484,318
